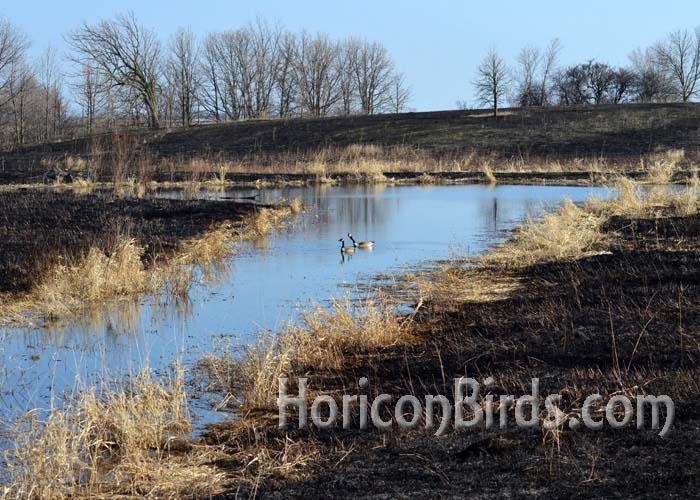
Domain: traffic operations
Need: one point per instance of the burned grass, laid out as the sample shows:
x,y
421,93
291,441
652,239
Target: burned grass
x,y
552,142
61,250
616,315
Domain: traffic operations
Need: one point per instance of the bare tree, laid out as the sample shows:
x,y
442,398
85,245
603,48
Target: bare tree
x,y
317,73
242,70
228,72
651,83
20,85
347,61
182,72
89,91
492,80
528,63
679,55
263,63
399,94
212,84
50,82
13,45
549,65
622,85
168,99
127,53
600,78
572,85
286,84
373,72
462,105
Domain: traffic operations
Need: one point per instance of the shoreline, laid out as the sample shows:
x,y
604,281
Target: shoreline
x,y
276,181
98,248
530,307
546,303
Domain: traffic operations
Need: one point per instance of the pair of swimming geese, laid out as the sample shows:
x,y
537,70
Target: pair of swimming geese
x,y
367,245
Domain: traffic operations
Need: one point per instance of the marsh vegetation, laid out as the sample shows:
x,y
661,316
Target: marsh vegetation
x,y
566,299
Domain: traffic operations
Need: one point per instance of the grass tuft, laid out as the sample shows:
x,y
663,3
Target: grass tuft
x,y
98,276
296,207
490,177
566,234
322,341
107,441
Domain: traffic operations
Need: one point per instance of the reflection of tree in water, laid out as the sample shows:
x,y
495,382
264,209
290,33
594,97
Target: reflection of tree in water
x,y
361,206
363,210
498,212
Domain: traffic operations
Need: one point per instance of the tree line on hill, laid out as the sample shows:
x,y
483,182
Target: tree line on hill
x,y
119,73
668,71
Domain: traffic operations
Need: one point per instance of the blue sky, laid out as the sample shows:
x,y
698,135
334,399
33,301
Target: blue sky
x,y
437,44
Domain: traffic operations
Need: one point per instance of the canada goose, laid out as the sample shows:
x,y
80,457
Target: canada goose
x,y
344,249
362,244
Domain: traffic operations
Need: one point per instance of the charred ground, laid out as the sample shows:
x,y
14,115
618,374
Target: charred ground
x,y
38,228
626,321
618,134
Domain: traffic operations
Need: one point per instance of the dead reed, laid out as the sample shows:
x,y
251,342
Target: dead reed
x,y
107,441
118,268
322,340
569,233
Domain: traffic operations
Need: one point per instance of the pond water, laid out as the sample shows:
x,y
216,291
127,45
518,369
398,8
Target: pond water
x,y
262,287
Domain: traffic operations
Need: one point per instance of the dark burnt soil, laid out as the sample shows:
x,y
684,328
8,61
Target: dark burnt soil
x,y
620,134
39,227
574,325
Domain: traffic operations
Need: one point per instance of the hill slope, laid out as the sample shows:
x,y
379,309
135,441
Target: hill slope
x,y
618,133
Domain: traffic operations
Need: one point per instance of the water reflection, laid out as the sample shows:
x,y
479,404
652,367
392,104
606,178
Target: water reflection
x,y
261,288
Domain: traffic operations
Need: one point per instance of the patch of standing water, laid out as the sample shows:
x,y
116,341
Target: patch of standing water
x,y
264,286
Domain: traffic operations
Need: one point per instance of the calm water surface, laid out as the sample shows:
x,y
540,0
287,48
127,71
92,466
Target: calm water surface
x,y
262,287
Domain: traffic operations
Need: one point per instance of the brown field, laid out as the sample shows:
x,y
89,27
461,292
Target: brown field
x,y
552,142
600,298
595,299
60,250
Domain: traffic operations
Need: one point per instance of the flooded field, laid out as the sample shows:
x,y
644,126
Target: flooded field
x,y
266,285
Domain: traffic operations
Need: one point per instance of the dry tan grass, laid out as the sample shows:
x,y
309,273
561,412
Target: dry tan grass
x,y
264,455
219,177
296,207
98,276
488,173
215,244
633,201
627,200
573,232
569,233
427,179
671,155
107,441
263,222
661,166
72,287
321,341
454,283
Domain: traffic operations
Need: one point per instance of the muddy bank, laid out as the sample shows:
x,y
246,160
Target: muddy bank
x,y
621,319
38,228
280,180
182,180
